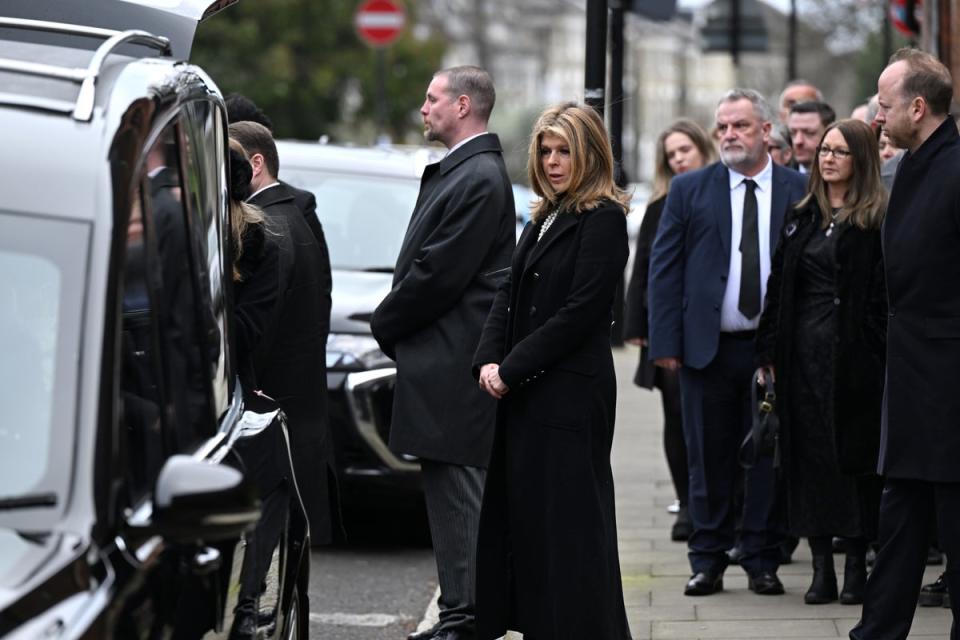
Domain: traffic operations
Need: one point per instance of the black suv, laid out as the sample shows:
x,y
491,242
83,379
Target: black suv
x,y
128,466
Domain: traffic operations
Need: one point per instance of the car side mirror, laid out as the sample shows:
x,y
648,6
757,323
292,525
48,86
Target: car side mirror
x,y
197,501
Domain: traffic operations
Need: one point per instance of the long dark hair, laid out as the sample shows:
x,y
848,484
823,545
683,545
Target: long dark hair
x,y
866,200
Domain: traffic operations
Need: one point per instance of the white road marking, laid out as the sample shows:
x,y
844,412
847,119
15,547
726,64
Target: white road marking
x,y
358,619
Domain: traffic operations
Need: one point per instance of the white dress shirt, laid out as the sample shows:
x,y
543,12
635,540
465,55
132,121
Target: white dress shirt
x,y
465,141
261,190
730,317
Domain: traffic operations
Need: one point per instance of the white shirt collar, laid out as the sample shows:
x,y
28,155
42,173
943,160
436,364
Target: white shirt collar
x,y
764,179
261,190
465,141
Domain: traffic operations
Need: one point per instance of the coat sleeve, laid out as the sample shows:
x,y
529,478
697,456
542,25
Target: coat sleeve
x,y
770,319
597,271
493,340
665,293
876,316
449,260
637,324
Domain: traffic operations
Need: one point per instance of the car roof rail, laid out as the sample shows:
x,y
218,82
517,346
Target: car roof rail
x,y
87,78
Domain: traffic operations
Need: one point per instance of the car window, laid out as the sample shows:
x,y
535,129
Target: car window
x,y
167,354
206,195
364,217
42,287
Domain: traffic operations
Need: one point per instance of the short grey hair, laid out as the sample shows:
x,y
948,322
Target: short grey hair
x,y
873,108
780,136
473,82
760,105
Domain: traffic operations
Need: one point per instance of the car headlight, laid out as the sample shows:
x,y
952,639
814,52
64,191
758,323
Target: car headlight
x,y
354,351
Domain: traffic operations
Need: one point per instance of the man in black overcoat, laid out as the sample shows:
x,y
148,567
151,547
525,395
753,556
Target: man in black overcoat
x,y
293,352
920,438
456,249
240,109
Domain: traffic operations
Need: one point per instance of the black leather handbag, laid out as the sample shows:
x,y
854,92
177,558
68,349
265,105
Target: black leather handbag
x,y
763,440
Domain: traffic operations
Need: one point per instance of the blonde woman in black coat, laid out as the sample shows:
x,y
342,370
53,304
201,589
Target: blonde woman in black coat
x,y
547,551
683,146
824,331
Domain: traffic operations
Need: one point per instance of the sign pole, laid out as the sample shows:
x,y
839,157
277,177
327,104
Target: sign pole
x,y
382,97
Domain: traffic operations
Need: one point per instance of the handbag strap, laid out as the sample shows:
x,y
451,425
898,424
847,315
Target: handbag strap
x,y
761,413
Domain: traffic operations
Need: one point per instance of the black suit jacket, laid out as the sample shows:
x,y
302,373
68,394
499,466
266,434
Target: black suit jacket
x,y
920,434
291,359
457,246
306,202
691,258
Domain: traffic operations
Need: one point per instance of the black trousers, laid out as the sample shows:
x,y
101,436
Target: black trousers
x,y
674,444
905,526
716,417
453,495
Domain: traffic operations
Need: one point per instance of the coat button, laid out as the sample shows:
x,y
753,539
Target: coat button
x,y
892,312
723,277
836,301
536,276
533,311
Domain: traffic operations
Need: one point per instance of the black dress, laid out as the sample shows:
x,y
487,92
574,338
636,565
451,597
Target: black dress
x,y
822,500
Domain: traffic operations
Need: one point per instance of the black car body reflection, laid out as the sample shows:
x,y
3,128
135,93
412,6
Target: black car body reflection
x,y
132,480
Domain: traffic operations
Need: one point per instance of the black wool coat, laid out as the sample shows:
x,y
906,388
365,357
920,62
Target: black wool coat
x,y
637,324
547,562
858,353
455,252
921,248
290,361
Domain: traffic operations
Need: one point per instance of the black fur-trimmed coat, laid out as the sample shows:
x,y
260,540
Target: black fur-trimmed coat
x,y
858,354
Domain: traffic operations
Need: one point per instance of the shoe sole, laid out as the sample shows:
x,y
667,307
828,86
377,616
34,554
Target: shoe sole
x,y
696,594
930,600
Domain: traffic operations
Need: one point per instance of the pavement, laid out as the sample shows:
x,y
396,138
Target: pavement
x,y
655,569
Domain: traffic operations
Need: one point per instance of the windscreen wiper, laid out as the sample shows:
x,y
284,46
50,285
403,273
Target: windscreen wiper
x,y
28,501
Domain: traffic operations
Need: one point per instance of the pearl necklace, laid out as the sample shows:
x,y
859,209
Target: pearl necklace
x,y
548,223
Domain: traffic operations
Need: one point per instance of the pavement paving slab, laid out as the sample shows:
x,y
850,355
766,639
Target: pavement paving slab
x,y
655,569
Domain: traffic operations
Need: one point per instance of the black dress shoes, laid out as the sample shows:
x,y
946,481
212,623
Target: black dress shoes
x,y
704,584
765,583
682,526
426,634
935,594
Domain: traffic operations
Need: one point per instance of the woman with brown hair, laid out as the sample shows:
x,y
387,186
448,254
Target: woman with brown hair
x,y
683,146
823,330
547,562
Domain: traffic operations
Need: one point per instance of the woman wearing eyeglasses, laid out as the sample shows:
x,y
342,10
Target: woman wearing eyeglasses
x,y
823,330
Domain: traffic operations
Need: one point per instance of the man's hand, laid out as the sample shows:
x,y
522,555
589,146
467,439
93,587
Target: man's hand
x,y
670,364
490,381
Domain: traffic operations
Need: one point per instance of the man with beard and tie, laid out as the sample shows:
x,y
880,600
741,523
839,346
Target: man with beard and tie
x,y
708,271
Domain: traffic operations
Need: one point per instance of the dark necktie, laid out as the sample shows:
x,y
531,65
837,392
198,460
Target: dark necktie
x,y
750,254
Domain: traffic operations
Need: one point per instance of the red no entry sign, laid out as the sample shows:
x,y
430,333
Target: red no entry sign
x,y
379,22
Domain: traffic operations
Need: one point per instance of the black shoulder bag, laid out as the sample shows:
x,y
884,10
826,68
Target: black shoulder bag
x,y
764,436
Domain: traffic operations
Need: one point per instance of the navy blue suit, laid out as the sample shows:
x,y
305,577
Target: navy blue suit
x,y
688,277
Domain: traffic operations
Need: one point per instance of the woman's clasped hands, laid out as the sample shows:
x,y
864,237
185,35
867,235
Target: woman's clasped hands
x,y
490,381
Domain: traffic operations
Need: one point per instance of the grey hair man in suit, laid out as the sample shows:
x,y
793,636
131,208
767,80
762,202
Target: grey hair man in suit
x,y
708,271
459,241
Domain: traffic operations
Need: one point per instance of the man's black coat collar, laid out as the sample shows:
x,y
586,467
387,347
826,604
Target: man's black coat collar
x,y
480,144
273,195
943,135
